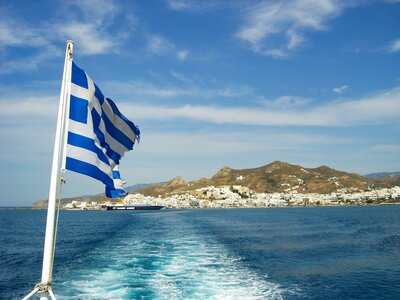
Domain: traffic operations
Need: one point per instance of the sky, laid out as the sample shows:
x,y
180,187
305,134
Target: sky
x,y
209,83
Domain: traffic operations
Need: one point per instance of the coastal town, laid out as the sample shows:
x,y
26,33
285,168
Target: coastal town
x,y
236,196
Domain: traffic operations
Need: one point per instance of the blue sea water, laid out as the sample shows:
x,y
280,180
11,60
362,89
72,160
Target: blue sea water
x,y
288,253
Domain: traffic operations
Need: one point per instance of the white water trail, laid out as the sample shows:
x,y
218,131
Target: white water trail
x,y
172,261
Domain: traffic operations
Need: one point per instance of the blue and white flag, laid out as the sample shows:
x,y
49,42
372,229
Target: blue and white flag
x,y
98,134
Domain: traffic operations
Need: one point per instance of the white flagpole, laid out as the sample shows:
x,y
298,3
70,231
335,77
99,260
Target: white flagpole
x,y
49,244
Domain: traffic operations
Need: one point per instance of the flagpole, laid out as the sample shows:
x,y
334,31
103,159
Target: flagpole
x,y
49,244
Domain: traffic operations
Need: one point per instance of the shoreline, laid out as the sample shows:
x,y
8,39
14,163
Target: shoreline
x,y
233,197
22,208
227,207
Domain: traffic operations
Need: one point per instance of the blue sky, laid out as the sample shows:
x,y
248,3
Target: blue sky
x,y
210,83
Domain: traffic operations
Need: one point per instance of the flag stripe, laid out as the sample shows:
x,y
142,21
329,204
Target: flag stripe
x,y
79,76
81,129
85,168
124,122
80,92
78,109
116,174
87,130
111,125
115,193
89,157
104,139
107,106
112,139
116,133
88,144
100,136
120,123
98,94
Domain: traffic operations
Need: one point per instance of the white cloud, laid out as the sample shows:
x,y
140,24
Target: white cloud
x,y
180,4
181,77
91,29
285,102
182,144
98,11
20,138
159,45
32,62
37,108
381,108
13,33
275,28
191,5
182,55
34,102
341,90
394,46
90,40
147,89
389,148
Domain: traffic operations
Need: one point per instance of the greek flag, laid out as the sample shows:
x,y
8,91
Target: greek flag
x,y
98,134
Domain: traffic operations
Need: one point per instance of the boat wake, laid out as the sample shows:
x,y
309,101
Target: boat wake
x,y
160,256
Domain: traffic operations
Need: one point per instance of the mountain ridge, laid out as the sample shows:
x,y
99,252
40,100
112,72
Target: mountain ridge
x,y
381,175
277,176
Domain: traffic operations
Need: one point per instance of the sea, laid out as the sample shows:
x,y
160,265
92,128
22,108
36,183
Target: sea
x,y
276,253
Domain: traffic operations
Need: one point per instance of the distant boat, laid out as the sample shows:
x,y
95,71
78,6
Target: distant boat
x,y
133,207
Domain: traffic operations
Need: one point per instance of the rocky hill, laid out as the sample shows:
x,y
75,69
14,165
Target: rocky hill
x,y
275,177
